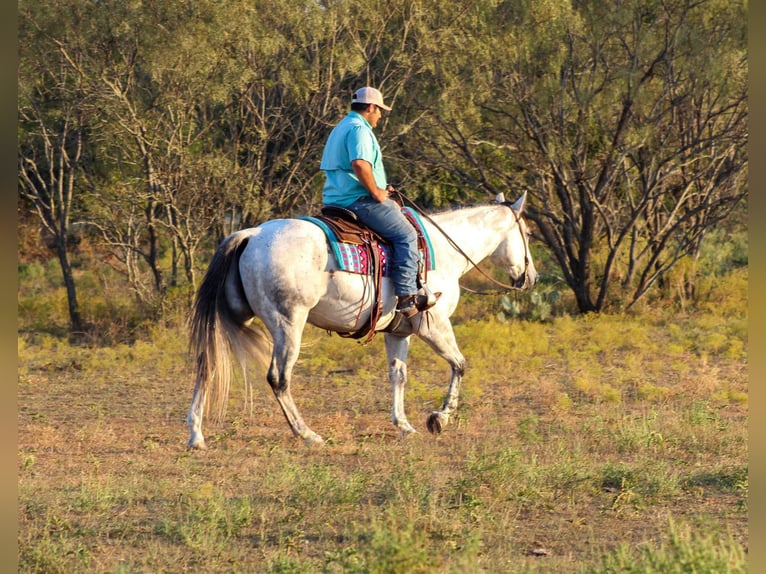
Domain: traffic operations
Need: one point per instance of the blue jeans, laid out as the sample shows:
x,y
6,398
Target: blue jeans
x,y
387,220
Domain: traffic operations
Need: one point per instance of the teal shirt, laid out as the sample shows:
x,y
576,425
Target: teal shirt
x,y
351,139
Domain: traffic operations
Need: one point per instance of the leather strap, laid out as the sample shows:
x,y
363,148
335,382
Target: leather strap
x,y
368,329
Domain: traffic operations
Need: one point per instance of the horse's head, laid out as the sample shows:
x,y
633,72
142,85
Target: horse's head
x,y
513,252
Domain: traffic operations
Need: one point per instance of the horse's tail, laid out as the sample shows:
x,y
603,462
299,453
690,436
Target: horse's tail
x,y
217,332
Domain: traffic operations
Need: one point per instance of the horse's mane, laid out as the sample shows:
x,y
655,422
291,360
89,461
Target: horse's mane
x,y
453,210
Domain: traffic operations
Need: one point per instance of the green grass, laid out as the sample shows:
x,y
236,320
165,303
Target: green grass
x,y
684,551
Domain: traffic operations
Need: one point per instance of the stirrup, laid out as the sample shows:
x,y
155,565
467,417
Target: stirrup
x,y
408,306
427,299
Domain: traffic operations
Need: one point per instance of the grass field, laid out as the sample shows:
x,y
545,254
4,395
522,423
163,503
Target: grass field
x,y
611,443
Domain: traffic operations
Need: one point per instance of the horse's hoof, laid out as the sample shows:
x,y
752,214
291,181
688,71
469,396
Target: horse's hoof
x,y
434,423
313,440
406,430
197,445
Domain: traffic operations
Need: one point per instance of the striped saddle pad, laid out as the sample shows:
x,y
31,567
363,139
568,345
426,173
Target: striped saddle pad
x,y
353,257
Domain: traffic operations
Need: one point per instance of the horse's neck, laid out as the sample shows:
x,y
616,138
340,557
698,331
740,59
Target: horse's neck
x,y
477,231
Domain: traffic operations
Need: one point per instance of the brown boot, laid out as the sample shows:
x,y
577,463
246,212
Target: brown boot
x,y
406,305
424,302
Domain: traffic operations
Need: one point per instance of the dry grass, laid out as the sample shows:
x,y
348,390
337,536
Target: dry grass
x,y
580,445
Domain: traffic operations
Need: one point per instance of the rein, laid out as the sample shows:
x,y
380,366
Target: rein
x,y
451,241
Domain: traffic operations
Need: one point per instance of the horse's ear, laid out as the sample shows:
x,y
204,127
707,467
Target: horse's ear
x,y
518,205
500,197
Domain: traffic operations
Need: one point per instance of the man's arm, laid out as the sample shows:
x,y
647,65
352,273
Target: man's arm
x,y
363,170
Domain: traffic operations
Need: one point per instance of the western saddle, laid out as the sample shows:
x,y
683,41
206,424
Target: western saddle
x,y
348,229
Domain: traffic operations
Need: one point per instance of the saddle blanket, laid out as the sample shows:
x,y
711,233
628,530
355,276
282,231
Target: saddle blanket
x,y
353,258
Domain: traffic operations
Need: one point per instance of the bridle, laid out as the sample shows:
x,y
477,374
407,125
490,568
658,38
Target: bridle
x,y
457,248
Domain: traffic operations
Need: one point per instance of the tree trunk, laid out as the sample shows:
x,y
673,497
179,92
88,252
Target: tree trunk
x,y
76,325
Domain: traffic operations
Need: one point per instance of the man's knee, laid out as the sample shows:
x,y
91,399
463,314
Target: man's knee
x,y
407,231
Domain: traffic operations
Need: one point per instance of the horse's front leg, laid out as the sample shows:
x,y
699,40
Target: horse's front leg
x,y
440,337
438,419
194,418
396,350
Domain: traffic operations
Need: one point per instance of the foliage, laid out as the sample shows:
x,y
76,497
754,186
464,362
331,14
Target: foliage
x,y
51,148
538,306
590,108
170,125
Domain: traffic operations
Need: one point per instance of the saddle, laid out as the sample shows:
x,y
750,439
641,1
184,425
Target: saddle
x,y
348,229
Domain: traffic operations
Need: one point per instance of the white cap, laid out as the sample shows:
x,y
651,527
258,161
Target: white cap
x,y
369,95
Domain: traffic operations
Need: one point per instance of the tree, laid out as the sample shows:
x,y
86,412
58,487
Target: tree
x,y
51,146
626,123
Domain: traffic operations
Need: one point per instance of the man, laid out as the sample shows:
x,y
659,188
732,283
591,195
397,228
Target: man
x,y
356,179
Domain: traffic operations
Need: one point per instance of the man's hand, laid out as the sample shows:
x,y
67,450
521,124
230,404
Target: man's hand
x,y
379,195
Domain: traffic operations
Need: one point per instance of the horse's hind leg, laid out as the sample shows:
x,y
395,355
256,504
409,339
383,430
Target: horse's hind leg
x,y
194,418
287,342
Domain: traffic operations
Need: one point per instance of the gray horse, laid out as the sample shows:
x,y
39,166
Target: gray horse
x,y
283,273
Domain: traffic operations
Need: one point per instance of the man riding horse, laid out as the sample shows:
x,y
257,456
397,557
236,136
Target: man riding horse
x,y
356,180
